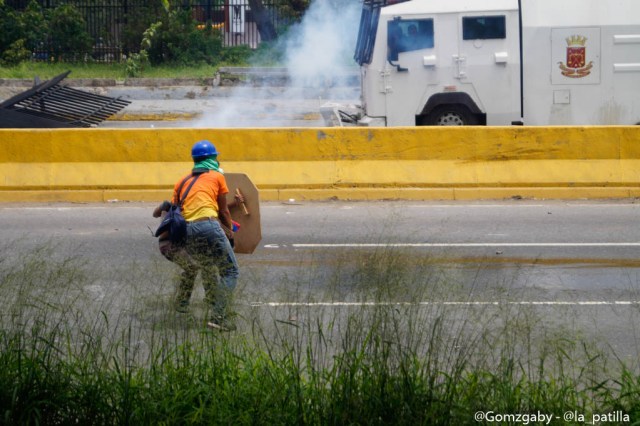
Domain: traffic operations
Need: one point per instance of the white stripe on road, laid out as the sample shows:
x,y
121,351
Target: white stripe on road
x,y
462,245
62,209
472,303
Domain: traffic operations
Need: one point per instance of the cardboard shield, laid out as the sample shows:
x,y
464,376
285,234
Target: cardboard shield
x,y
246,214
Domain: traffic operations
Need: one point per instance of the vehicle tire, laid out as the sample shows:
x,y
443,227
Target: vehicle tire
x,y
449,115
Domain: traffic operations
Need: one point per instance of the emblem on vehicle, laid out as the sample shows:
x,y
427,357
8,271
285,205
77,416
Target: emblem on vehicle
x,y
576,66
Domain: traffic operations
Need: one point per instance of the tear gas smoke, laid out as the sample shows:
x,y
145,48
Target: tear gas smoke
x,y
318,53
318,49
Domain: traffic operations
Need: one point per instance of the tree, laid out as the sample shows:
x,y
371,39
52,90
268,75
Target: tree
x,y
70,39
294,9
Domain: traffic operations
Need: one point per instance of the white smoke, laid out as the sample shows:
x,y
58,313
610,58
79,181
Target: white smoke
x,y
318,48
319,54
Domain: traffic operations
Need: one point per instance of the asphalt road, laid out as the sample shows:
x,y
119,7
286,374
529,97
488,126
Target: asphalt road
x,y
573,266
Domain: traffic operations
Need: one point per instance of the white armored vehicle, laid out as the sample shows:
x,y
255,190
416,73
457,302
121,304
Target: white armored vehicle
x,y
496,62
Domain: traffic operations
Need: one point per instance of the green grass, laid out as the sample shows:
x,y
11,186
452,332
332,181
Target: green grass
x,y
266,55
114,71
67,359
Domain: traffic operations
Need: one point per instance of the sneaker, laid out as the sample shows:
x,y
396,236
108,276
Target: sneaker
x,y
221,324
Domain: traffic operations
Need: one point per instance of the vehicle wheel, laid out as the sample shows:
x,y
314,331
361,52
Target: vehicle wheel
x,y
449,115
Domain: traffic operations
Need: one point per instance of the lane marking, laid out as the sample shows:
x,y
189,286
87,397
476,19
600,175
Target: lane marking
x,y
459,245
61,209
474,205
507,205
477,303
69,208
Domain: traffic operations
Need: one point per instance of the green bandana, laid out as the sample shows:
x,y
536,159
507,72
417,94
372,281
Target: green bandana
x,y
209,163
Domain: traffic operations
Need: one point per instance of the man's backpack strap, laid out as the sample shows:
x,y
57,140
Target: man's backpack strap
x,y
181,199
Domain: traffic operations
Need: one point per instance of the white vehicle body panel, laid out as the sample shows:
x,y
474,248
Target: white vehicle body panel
x,y
601,87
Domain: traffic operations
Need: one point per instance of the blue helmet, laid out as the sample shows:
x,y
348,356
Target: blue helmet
x,y
203,149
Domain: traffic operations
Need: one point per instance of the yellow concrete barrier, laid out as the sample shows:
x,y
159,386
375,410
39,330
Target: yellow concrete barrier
x,y
321,163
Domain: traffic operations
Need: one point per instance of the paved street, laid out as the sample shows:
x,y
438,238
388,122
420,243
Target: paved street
x,y
572,265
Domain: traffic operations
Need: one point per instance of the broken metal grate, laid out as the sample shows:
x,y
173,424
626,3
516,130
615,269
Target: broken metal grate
x,y
50,104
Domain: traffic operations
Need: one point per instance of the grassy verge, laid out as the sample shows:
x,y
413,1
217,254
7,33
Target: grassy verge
x,y
114,71
388,361
266,56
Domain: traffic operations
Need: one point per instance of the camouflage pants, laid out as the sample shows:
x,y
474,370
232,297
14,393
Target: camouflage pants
x,y
209,252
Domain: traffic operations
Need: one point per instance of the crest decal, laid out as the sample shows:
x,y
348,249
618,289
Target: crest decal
x,y
576,66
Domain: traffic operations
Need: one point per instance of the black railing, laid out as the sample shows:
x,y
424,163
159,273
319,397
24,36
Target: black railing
x,y
117,25
53,105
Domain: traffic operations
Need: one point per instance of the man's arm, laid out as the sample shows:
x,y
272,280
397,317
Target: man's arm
x,y
163,207
224,215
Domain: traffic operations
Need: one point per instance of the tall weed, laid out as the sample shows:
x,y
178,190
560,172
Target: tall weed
x,y
396,354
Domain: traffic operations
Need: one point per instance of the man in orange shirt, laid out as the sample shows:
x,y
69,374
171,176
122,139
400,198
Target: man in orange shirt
x,y
204,208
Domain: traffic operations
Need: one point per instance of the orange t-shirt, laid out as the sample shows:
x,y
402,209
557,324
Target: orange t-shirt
x,y
202,200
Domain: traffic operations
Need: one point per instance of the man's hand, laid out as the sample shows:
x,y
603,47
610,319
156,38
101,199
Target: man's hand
x,y
163,207
238,199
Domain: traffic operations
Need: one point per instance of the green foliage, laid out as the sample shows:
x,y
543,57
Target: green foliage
x,y
294,9
138,20
70,40
60,35
47,70
135,64
236,55
177,39
60,32
22,33
10,29
268,54
35,26
16,53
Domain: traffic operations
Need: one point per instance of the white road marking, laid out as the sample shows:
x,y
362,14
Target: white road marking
x,y
462,205
474,303
459,245
62,209
508,205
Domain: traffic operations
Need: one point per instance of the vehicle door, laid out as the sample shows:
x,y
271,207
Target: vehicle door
x,y
410,67
487,66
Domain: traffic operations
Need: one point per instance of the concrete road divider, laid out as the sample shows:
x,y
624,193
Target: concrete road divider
x,y
323,163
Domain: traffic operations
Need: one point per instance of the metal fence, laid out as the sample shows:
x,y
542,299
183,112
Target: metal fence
x,y
117,25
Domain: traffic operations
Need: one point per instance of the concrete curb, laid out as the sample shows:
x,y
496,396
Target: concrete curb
x,y
343,194
227,76
110,82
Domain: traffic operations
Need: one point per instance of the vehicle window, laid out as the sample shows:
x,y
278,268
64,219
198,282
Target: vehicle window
x,y
483,27
407,35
